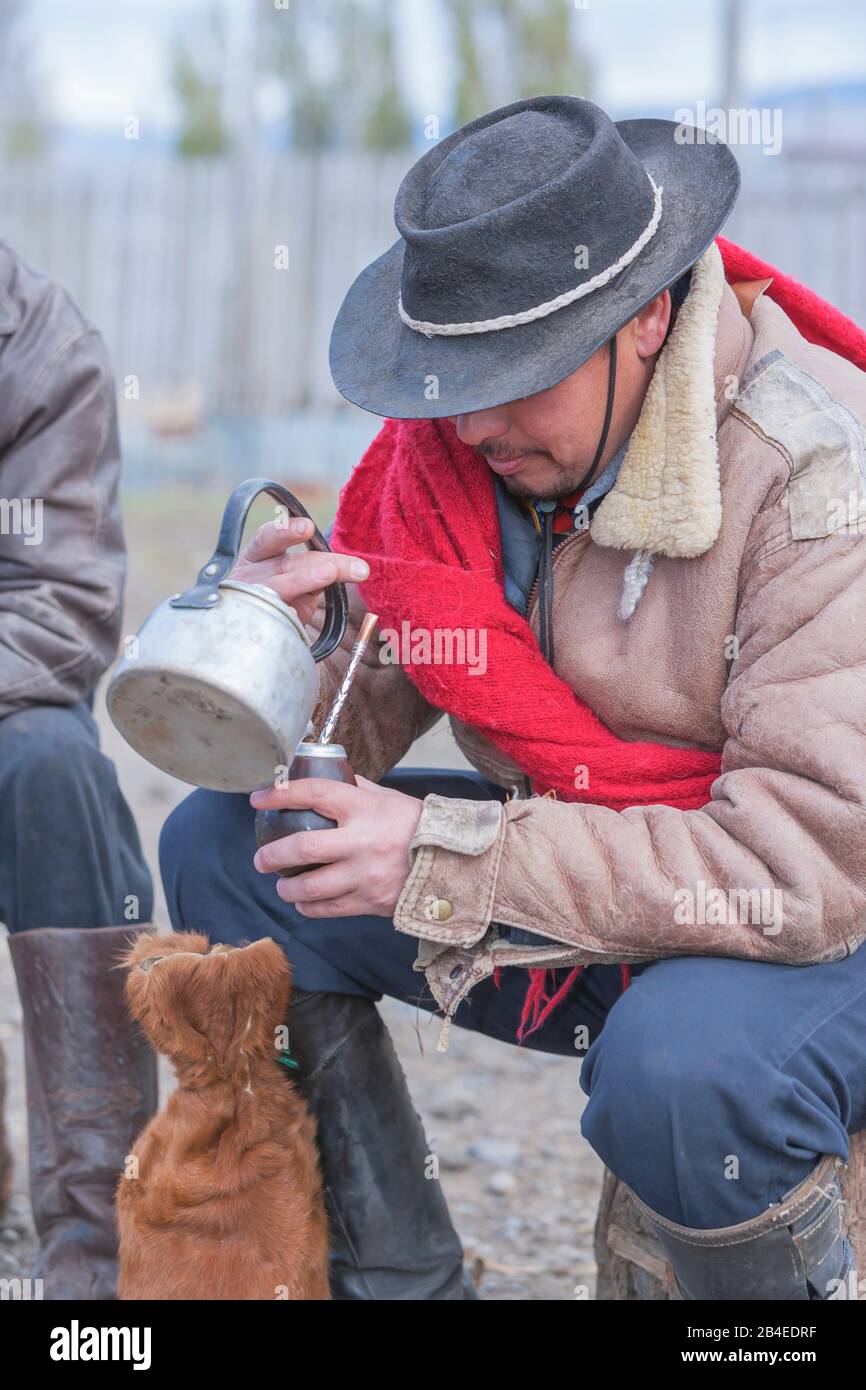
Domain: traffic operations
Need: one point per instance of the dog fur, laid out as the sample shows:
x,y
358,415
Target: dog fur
x,y
222,1198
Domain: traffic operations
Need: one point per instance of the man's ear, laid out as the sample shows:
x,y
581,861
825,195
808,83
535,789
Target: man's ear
x,y
650,326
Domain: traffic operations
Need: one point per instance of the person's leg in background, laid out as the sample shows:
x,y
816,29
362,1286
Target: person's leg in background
x,y
392,1236
720,1092
74,887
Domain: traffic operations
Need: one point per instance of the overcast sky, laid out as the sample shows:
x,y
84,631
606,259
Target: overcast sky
x,y
104,59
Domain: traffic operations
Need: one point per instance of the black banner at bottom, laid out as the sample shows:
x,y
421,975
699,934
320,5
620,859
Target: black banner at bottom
x,y
66,1339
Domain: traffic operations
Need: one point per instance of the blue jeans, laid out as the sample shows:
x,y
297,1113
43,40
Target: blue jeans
x,y
69,849
714,1085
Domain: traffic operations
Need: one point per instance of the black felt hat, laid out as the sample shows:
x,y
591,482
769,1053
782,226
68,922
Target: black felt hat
x,y
527,238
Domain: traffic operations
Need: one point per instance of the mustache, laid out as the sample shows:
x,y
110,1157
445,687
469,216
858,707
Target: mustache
x,y
490,449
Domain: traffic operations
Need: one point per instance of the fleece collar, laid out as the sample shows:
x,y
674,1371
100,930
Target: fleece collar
x,y
667,497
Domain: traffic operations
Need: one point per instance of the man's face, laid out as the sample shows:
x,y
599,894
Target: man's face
x,y
541,446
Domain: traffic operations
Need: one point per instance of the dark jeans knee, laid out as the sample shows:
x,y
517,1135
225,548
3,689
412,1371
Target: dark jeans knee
x,y
49,747
202,836
682,1105
69,849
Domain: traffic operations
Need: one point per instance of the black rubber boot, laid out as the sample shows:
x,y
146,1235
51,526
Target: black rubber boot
x,y
794,1251
391,1234
91,1088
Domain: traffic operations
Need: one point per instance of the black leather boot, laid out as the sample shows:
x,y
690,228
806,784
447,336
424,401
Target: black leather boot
x,y
391,1234
91,1087
793,1251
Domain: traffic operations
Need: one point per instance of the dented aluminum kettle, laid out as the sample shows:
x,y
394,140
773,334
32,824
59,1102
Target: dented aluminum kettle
x,y
218,686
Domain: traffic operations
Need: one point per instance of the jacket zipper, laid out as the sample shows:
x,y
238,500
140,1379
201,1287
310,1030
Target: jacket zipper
x,y
563,545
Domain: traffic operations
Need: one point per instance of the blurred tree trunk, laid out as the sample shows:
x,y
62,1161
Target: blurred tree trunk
x,y
471,97
539,48
338,63
25,126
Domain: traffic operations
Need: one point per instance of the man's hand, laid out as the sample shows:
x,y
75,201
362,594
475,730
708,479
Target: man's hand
x,y
298,576
365,859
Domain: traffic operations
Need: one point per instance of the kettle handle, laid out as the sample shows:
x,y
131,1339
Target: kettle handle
x,y
205,593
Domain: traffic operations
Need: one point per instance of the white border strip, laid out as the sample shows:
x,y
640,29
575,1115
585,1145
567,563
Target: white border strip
x,y
541,311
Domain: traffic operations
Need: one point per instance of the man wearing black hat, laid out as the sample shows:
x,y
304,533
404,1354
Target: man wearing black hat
x,y
632,478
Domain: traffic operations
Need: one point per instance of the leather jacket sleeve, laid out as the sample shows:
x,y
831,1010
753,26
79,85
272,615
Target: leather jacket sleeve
x,y
62,559
773,867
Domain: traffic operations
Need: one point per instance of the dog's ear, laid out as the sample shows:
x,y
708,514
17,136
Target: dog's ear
x,y
161,973
262,967
243,995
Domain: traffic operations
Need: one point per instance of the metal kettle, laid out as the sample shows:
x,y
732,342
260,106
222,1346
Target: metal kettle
x,y
218,686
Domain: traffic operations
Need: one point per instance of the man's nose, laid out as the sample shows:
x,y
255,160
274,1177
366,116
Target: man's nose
x,y
480,424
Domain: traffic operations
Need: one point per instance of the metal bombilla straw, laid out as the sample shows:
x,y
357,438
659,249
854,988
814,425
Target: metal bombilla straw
x,y
365,632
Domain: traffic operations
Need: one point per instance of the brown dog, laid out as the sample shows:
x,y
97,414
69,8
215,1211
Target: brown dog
x,y
222,1198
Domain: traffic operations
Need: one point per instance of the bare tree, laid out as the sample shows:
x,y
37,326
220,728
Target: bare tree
x,y
198,77
541,34
25,127
471,96
537,47
386,121
339,66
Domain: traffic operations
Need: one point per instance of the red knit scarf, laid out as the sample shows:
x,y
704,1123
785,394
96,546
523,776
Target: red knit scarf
x,y
421,508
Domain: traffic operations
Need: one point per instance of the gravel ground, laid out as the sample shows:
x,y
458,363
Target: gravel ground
x,y
504,1123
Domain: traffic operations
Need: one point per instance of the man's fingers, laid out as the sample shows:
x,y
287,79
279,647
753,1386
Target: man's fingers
x,y
305,847
274,541
349,905
336,800
295,576
300,573
275,536
319,887
310,570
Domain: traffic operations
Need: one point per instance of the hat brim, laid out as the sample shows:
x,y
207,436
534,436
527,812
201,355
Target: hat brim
x,y
380,364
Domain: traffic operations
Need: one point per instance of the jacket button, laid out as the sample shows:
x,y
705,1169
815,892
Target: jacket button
x,y
439,910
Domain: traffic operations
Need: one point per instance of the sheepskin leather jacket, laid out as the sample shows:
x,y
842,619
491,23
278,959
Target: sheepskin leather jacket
x,y
744,480
62,558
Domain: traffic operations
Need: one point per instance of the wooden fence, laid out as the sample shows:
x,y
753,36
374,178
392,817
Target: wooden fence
x,y
223,279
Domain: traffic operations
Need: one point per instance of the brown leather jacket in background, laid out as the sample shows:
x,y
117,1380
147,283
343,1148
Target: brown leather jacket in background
x,y
744,477
61,594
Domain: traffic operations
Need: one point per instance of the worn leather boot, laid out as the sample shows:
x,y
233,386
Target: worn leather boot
x,y
91,1087
796,1250
390,1231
